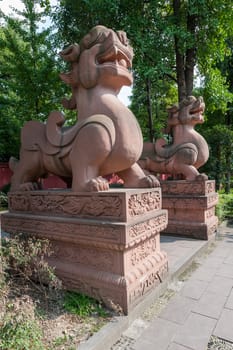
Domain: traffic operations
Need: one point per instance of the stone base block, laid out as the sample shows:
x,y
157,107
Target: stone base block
x,y
191,208
106,245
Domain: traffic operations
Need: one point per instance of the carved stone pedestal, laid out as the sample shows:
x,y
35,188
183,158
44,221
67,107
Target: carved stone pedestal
x,y
106,244
191,208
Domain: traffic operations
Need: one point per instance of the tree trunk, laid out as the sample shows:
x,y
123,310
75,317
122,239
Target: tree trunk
x,y
185,56
190,57
218,168
180,68
149,110
227,186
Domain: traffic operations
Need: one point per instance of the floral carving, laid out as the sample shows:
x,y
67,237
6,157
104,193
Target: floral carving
x,y
210,213
188,187
142,251
153,225
19,202
142,203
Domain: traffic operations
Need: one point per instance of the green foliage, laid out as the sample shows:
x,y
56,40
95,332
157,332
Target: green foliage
x,y
61,341
220,163
224,208
18,332
154,27
29,71
82,305
24,299
3,200
25,257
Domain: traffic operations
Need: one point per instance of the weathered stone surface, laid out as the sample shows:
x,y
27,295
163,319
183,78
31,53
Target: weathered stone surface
x,y
113,255
118,206
191,207
181,187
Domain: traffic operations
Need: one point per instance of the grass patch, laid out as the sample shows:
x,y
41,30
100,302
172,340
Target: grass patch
x,y
224,208
19,332
82,305
3,201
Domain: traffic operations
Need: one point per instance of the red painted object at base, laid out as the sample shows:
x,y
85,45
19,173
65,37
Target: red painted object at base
x,y
51,181
5,174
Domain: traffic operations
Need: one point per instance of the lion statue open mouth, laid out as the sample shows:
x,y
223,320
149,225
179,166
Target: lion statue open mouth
x,y
188,150
106,138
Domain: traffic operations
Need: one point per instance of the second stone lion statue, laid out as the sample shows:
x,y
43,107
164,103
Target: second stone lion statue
x,y
188,150
107,137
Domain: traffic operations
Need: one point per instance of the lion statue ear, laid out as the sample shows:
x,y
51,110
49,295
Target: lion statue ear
x,y
122,37
71,53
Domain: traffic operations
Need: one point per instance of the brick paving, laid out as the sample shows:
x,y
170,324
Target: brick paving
x,y
199,314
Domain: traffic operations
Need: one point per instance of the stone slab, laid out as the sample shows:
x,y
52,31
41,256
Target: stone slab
x,y
185,187
151,339
110,234
194,289
195,333
210,304
190,202
225,270
178,309
175,346
220,285
204,274
120,205
191,229
229,303
224,327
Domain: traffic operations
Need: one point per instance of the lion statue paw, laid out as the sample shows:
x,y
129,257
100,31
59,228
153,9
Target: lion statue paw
x,y
30,186
97,184
149,181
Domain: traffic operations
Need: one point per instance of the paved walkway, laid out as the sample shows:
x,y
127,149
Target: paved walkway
x,y
196,312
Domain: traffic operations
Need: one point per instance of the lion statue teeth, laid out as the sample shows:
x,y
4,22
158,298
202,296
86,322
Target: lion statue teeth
x,y
106,138
188,150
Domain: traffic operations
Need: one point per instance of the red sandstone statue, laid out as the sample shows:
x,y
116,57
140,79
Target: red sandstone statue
x,y
106,139
188,151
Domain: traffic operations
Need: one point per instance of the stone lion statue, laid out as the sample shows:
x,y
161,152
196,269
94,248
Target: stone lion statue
x,y
106,138
188,150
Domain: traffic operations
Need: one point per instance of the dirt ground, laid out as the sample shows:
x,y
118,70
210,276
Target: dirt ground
x,y
62,330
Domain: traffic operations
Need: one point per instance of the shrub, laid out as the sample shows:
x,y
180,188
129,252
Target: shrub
x,y
224,208
3,200
19,332
25,257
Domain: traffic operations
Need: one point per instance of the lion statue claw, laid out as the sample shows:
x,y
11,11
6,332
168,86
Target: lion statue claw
x,y
187,152
106,138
